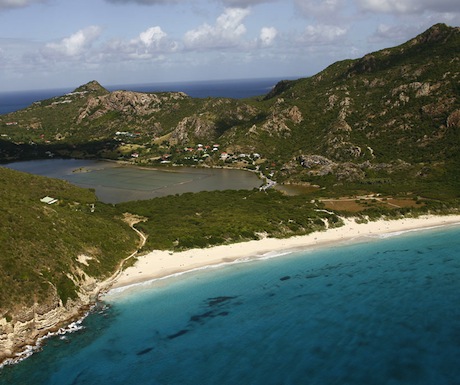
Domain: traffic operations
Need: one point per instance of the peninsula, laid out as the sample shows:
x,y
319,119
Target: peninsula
x,y
372,145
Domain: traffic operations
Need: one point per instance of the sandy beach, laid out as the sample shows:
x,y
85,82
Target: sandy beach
x,y
160,264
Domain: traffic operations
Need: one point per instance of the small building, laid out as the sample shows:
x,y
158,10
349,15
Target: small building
x,y
48,200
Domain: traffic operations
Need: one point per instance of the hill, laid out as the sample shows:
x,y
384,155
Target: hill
x,y
391,117
53,256
382,130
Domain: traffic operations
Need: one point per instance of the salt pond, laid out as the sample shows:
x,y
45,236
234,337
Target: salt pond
x,y
115,183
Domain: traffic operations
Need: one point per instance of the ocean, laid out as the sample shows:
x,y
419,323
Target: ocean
x,y
237,89
377,311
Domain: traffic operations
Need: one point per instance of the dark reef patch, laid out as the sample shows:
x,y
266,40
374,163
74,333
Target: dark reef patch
x,y
178,334
144,351
218,300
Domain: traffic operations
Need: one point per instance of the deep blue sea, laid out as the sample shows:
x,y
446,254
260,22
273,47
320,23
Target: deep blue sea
x,y
237,89
373,312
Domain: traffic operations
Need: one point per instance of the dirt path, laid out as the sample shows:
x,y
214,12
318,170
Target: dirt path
x,y
131,220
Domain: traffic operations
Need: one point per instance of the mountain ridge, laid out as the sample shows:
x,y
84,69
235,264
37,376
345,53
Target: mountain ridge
x,y
297,114
383,126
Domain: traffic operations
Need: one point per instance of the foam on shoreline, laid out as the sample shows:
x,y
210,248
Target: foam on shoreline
x,y
160,265
28,350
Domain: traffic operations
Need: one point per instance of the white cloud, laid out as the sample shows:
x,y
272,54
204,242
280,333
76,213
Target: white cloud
x,y
152,37
323,34
75,44
227,31
228,3
409,6
244,3
390,6
10,4
319,8
148,45
144,2
393,33
267,36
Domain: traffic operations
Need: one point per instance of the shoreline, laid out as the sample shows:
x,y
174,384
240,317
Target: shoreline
x,y
159,264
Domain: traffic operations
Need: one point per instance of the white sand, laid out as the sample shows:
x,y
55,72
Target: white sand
x,y
159,264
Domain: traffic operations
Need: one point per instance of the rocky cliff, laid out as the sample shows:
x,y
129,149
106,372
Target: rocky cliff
x,y
25,325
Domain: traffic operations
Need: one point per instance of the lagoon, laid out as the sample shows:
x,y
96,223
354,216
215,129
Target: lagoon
x,y
114,182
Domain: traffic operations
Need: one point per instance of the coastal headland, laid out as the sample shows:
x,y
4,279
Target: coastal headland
x,y
161,264
374,137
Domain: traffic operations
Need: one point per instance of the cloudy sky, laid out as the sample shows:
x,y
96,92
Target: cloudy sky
x,y
65,43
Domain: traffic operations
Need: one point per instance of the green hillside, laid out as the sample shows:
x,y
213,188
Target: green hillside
x,y
387,125
41,243
377,136
386,122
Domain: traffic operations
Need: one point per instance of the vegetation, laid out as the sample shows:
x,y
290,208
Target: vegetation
x,y
40,243
387,121
211,218
376,136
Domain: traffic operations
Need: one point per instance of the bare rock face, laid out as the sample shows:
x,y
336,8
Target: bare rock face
x,y
295,115
200,128
317,164
127,102
344,150
31,323
332,101
277,123
340,125
421,90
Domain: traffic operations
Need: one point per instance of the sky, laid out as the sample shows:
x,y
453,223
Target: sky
x,y
49,44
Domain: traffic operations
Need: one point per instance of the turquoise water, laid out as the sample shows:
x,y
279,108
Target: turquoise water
x,y
381,311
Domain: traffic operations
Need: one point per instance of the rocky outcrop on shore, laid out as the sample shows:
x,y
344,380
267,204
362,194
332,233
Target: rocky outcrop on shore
x,y
26,326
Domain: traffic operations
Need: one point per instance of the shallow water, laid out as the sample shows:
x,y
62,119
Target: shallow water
x,y
116,183
381,311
